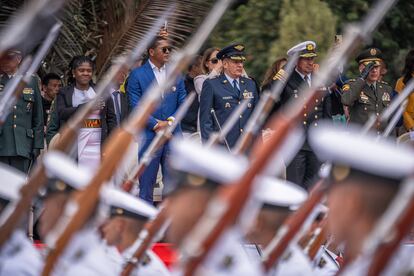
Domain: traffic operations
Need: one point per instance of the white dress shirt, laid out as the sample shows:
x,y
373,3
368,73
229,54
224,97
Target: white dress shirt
x,y
160,73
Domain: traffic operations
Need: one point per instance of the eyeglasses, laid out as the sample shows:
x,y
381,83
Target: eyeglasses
x,y
214,60
165,49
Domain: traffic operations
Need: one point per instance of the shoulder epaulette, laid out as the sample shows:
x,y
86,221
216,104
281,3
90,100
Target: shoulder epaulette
x,y
280,75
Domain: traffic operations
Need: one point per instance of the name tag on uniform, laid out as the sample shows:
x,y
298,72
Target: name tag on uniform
x,y
227,98
248,95
28,90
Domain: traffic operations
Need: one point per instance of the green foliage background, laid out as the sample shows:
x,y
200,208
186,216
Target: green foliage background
x,y
269,28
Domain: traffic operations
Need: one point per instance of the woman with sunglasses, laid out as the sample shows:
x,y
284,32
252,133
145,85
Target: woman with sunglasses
x,y
71,98
211,67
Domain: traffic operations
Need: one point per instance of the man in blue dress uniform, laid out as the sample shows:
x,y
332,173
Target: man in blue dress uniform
x,y
224,93
139,82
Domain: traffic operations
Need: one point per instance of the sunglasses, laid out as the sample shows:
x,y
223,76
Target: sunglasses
x,y
214,60
165,49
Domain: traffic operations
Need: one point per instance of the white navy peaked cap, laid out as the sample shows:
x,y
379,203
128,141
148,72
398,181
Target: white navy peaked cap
x,y
12,180
212,163
60,166
304,49
347,146
122,203
279,193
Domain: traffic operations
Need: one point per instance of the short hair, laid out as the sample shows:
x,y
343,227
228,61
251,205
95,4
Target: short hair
x,y
78,60
155,42
50,76
206,56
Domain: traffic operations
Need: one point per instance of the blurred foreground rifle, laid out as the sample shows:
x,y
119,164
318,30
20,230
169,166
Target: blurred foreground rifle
x,y
27,27
118,142
160,139
392,228
293,227
148,234
220,136
321,236
223,210
15,86
261,112
68,135
153,227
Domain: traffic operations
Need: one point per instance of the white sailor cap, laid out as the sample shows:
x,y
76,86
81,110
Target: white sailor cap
x,y
203,165
120,203
351,151
273,192
305,49
64,174
12,180
124,204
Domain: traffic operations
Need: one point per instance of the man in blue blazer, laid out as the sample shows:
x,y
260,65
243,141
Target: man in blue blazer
x,y
139,82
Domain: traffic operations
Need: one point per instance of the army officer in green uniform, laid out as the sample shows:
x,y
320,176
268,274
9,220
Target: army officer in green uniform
x,y
367,95
21,135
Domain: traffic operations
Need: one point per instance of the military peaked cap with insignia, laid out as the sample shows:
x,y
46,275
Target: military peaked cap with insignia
x,y
193,166
277,193
305,49
360,155
370,55
121,203
234,52
12,181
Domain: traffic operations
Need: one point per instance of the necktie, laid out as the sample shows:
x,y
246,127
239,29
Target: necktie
x,y
306,78
117,109
236,87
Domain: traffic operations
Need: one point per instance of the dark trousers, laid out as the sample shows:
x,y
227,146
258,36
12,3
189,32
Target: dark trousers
x,y
19,162
304,168
149,177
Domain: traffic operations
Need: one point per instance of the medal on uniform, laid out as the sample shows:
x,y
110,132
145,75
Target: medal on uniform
x,y
249,105
247,95
386,97
227,105
295,92
28,90
363,97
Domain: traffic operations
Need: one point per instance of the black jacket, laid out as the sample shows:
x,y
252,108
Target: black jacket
x,y
63,110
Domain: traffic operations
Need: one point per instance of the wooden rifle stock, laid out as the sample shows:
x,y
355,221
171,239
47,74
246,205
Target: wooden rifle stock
x,y
38,177
116,146
118,143
384,252
161,138
248,137
150,231
319,240
292,225
263,109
